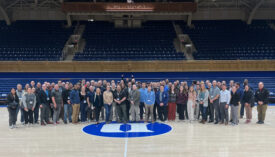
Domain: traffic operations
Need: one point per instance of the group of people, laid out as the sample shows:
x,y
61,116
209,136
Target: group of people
x,y
131,100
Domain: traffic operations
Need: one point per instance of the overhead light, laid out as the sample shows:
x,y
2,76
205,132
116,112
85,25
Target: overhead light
x,y
91,20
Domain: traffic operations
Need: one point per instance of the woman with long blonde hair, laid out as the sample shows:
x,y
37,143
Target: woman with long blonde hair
x,y
191,103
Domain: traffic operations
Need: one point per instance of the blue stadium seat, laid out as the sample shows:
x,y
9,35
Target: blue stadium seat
x,y
154,41
232,39
33,40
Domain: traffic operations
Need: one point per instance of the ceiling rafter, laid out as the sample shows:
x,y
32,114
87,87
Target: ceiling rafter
x,y
5,15
254,10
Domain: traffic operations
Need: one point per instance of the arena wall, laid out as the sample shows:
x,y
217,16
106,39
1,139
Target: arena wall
x,y
138,66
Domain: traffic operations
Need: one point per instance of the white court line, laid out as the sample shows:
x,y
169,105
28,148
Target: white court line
x,y
125,147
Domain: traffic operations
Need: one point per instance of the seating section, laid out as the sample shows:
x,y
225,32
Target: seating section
x,y
231,40
154,41
33,40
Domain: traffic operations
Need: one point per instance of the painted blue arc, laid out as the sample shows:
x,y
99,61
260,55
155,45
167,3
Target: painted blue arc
x,y
156,128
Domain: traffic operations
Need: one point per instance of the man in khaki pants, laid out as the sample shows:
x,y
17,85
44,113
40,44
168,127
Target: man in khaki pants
x,y
75,101
261,98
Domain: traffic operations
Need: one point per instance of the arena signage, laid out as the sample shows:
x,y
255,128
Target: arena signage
x,y
129,7
130,130
156,7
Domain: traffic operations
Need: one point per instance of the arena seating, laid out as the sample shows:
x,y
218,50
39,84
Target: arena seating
x,y
231,40
154,41
33,40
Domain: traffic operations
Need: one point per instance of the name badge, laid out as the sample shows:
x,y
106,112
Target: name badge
x,y
117,99
201,99
212,97
48,98
31,102
20,98
68,98
85,101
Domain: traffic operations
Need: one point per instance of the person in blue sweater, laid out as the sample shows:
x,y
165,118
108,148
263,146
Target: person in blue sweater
x,y
149,104
162,102
75,101
142,91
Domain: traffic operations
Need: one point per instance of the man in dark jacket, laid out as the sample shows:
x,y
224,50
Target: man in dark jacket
x,y
248,100
261,98
234,102
162,101
44,104
67,104
75,101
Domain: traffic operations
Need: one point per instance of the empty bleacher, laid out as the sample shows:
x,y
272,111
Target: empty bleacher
x,y
231,40
33,40
154,41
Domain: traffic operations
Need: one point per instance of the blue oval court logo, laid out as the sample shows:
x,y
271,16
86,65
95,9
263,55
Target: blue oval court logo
x,y
129,130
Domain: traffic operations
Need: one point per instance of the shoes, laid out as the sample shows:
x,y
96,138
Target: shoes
x,y
42,123
247,121
65,122
210,121
226,123
216,122
49,122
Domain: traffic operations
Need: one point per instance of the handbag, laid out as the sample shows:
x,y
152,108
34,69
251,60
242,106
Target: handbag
x,y
13,105
87,109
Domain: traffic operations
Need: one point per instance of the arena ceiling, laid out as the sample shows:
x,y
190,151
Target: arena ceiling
x,y
248,4
249,7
